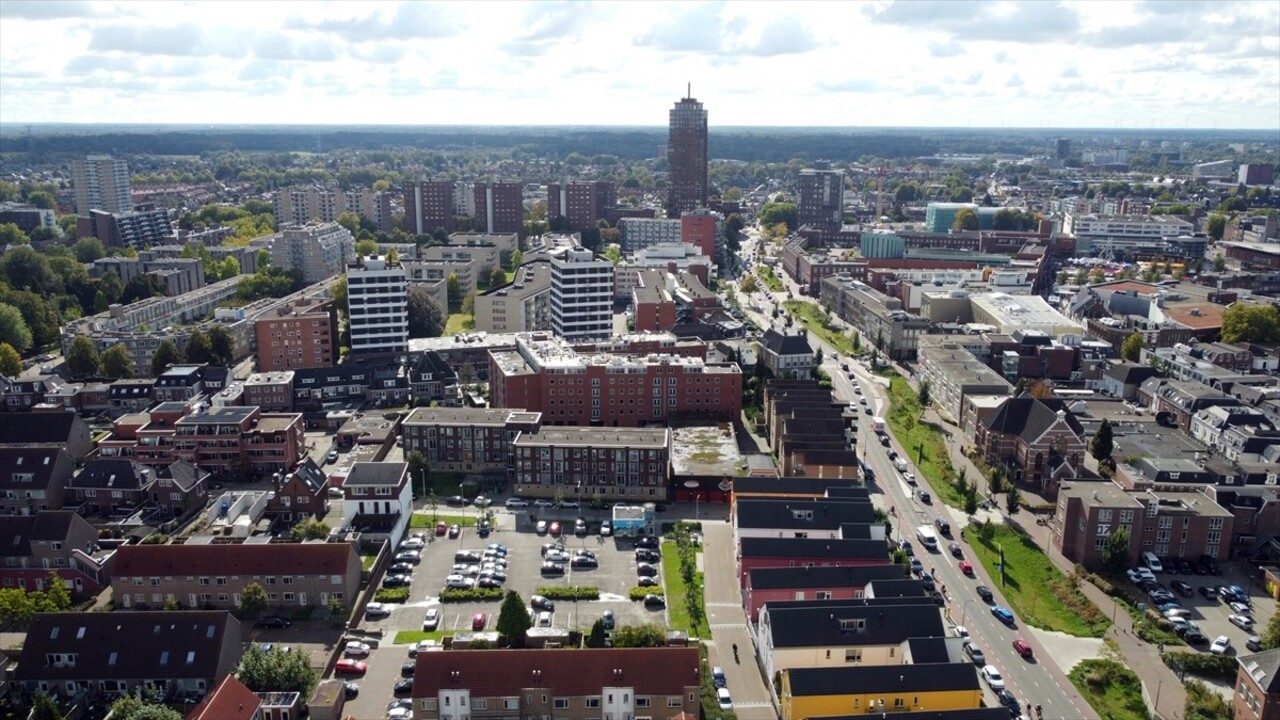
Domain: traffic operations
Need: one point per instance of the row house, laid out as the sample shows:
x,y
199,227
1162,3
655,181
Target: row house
x,y
377,499
1039,440
779,584
33,479
271,391
113,654
1181,399
87,398
945,689
466,439
318,388
130,396
22,395
47,429
231,700
1210,424
58,541
214,576
300,493
815,519
180,383
112,487
799,552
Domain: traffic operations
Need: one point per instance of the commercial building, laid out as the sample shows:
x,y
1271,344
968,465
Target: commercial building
x,y
879,318
428,205
821,203
580,204
954,374
687,157
466,439
545,375
1011,313
101,183
298,335
614,683
581,294
939,217
128,228
27,217
523,305
1141,235
870,689
583,463
316,250
377,307
1215,170
499,207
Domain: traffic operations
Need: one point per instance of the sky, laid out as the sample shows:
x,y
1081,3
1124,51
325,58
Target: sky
x,y
948,63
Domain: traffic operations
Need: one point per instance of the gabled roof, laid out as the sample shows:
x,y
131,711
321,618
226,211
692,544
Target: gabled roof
x,y
231,700
39,461
820,576
817,549
564,673
37,428
1264,668
18,532
1130,373
1030,417
309,473
986,713
137,644
789,486
801,514
828,626
928,650
870,679
114,475
376,473
779,344
185,475
313,558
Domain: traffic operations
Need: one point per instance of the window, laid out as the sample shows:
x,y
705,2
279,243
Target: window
x,y
642,702
561,703
674,701
593,702
511,703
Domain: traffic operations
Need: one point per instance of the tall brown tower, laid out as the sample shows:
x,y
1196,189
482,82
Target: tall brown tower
x,y
687,156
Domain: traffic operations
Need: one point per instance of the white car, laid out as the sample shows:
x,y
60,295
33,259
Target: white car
x,y
412,544
962,631
375,609
1244,622
723,700
458,581
992,676
513,503
431,621
356,648
399,713
1221,645
1239,608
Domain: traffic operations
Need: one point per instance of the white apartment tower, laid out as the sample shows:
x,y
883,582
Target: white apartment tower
x,y
581,294
102,183
378,307
317,250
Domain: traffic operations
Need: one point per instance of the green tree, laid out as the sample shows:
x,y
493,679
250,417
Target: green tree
x,y
1103,443
140,287
748,284
517,259
350,221
417,469
198,348
11,234
595,638
1115,550
1131,348
1012,500
340,293
971,499
88,249
337,610
1271,635
253,599
221,345
116,362
513,619
17,606
276,671
45,708
469,304
82,357
632,636
966,219
614,254
426,319
166,354
1219,263
367,248
455,293
1251,323
13,328
311,529
132,707
497,277
773,213
111,286
10,361
24,268
923,393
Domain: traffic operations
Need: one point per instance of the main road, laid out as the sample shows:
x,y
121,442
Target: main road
x,y
1038,681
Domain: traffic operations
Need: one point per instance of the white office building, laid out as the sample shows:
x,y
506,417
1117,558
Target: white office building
x,y
101,183
581,294
378,307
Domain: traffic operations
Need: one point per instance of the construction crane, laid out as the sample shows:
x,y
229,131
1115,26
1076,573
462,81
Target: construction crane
x,y
880,193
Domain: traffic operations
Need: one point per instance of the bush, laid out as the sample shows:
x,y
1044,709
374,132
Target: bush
x,y
392,595
637,593
455,595
1040,508
1214,666
576,592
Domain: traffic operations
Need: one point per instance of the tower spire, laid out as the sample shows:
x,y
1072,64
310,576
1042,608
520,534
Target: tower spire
x,y
689,91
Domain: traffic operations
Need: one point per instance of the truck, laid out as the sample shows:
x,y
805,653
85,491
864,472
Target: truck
x,y
927,537
900,463
877,424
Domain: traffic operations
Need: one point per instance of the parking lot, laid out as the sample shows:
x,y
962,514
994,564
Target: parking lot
x,y
615,576
1211,615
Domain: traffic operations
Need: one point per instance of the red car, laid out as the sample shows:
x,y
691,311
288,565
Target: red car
x,y
966,567
441,529
477,621
1022,648
350,666
554,529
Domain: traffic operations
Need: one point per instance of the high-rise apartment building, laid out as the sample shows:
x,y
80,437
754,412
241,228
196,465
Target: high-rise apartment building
x,y
687,156
522,305
428,204
499,207
317,250
102,183
301,335
1062,150
821,199
378,307
301,205
581,205
581,294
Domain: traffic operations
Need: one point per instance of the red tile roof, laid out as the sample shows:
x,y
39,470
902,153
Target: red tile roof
x,y
230,559
563,673
231,700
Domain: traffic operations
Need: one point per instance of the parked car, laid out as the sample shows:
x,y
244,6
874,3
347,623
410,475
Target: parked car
x,y
583,562
409,556
543,503
544,618
559,556
993,677
1221,645
514,503
355,648
542,527
654,601
454,531
403,686
431,621
647,541
350,690
350,666
554,529
1002,614
407,669
441,528
376,609
395,581
717,677
400,568
497,548
647,555
580,527
646,569
1182,588
460,582
1208,593
478,620
1239,607
332,457
273,621
647,582
975,654
412,544
552,568
456,501
606,529
1023,648
723,700
1254,643
541,603
1244,622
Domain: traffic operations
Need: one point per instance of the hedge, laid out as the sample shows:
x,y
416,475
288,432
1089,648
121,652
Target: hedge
x,y
637,593
576,592
453,595
392,595
1215,666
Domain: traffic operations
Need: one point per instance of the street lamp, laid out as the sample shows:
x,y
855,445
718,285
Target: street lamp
x,y
964,611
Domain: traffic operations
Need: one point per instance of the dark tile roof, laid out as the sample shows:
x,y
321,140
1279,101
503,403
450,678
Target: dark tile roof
x,y
928,650
376,473
882,679
134,645
779,344
823,625
311,475
900,588
821,576
114,474
801,514
231,700
1130,373
564,673
989,713
224,559
17,532
338,375
185,475
1030,417
37,428
1264,668
39,461
788,486
131,389
817,549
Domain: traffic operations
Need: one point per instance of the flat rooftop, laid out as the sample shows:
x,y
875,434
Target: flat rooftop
x,y
597,437
470,416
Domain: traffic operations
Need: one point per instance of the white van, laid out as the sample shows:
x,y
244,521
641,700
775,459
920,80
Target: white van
x,y
927,537
1152,562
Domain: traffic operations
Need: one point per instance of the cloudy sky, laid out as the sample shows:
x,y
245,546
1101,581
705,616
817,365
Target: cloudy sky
x,y
950,63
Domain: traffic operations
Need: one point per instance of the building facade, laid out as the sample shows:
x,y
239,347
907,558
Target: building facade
x,y
584,463
298,335
499,207
101,183
581,204
316,250
378,307
821,199
522,305
428,205
581,294
466,439
687,157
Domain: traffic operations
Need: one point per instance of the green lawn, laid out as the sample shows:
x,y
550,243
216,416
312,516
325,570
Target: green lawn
x,y
813,318
427,520
674,589
366,561
1112,689
923,443
770,280
1037,592
409,637
459,323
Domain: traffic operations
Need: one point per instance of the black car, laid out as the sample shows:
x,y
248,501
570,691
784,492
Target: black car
x,y
580,528
407,669
646,570
1185,567
350,689
1194,637
403,687
484,528
654,601
647,541
400,568
583,562
607,620
1009,702
552,568
489,582
456,501
984,592
647,555
1183,589
1208,592
539,602
273,621
395,581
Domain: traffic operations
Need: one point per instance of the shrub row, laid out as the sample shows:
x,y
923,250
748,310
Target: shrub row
x,y
1215,666
637,593
391,595
454,595
576,592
